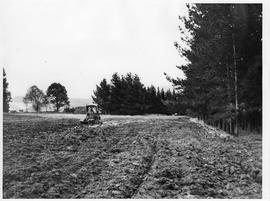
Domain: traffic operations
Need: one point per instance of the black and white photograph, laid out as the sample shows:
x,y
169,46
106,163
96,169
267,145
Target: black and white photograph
x,y
132,99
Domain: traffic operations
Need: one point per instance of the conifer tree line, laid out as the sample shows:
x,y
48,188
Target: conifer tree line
x,y
223,84
126,95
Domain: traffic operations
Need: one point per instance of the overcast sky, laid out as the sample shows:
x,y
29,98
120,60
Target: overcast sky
x,y
79,42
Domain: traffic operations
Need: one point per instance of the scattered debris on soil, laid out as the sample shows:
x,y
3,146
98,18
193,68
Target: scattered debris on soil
x,y
127,158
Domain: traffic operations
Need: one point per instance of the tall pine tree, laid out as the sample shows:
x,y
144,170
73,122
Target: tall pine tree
x,y
102,96
6,93
224,49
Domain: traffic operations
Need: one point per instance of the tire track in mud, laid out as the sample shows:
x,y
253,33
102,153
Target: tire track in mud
x,y
80,177
55,174
116,149
154,158
162,129
193,163
147,169
127,170
155,148
90,159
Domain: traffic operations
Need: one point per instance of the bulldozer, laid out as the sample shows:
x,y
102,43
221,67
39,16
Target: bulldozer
x,y
92,115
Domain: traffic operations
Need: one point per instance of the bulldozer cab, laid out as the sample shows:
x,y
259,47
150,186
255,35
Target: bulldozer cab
x,y
92,115
93,109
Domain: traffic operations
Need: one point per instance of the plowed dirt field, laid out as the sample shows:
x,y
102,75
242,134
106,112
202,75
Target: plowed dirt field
x,y
144,157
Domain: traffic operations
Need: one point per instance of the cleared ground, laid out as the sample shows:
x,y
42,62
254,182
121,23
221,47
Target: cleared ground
x,y
104,117
127,157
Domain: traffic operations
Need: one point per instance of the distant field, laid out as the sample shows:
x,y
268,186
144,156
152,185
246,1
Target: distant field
x,y
17,104
53,156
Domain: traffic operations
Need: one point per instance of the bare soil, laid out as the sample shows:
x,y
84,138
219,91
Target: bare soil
x,y
127,157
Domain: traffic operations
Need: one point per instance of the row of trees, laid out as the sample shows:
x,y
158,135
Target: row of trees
x,y
56,95
127,95
223,84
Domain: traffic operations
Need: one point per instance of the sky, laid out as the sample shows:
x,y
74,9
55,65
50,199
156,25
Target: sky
x,y
79,42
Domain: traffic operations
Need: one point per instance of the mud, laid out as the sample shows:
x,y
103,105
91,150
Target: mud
x,y
153,157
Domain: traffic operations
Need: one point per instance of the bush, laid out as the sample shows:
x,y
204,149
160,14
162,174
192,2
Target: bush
x,y
80,110
69,110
